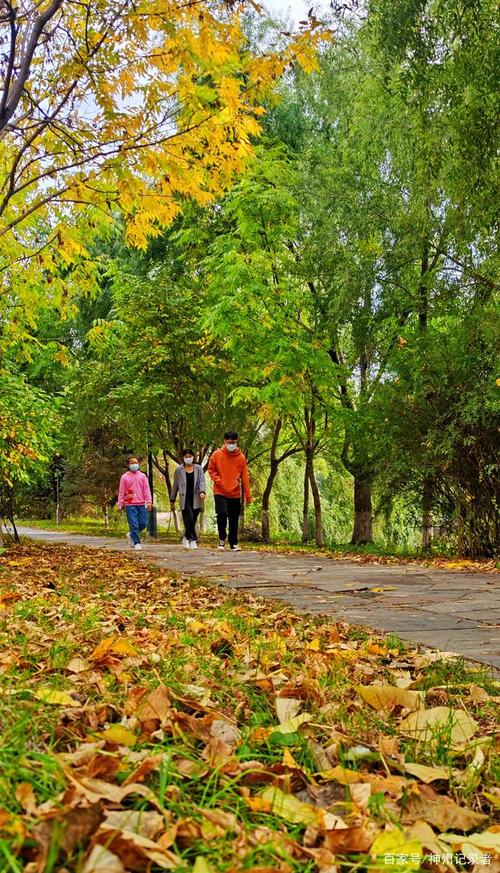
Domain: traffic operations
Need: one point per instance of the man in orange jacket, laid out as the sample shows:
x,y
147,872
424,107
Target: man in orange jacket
x,y
228,470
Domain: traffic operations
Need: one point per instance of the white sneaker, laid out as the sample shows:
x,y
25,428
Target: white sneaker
x,y
130,540
137,547
193,544
221,544
235,548
185,542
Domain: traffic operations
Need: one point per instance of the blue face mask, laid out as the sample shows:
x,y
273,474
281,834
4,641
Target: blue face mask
x,y
133,467
231,447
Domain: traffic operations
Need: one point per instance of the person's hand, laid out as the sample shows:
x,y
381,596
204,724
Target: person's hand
x,y
120,509
202,495
149,507
249,500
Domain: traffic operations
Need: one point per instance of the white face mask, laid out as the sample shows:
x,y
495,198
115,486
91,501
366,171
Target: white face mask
x,y
188,460
133,467
231,447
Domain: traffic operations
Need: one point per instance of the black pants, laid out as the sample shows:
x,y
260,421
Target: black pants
x,y
228,508
189,517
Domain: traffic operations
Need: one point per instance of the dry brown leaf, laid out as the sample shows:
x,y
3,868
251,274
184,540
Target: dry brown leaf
x,y
26,797
440,811
135,851
148,823
344,840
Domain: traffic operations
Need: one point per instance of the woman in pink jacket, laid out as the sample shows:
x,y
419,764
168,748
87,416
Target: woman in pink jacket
x,y
134,496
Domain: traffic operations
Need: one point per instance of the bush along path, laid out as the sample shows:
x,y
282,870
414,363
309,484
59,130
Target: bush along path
x,y
150,722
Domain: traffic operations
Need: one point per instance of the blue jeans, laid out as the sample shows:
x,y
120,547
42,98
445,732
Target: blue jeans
x,y
137,520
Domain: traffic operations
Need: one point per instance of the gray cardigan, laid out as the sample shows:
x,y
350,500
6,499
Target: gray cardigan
x,y
179,485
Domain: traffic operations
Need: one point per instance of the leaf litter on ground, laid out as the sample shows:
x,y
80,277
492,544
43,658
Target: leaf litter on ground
x,y
152,723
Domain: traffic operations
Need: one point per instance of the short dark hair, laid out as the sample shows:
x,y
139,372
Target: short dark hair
x,y
230,435
187,452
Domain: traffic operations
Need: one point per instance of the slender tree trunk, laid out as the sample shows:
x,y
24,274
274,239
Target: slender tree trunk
x,y
266,533
10,513
274,463
306,533
363,515
320,540
106,517
427,503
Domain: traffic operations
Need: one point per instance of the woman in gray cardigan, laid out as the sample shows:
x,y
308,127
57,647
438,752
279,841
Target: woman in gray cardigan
x,y
189,483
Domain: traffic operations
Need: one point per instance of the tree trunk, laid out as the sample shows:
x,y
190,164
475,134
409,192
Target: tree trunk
x,y
427,503
266,533
106,517
320,540
363,515
306,533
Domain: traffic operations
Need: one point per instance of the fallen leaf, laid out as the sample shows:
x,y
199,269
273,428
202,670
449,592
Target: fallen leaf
x,y
201,865
101,860
78,665
389,696
56,698
289,807
119,735
440,811
287,708
291,726
355,839
487,841
26,797
396,842
427,774
428,724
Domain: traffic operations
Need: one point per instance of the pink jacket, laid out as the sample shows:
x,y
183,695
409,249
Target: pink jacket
x,y
134,489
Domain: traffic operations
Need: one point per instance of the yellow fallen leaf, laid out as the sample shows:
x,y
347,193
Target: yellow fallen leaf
x,y
384,588
397,843
292,725
289,807
492,798
201,866
119,734
426,724
57,698
112,645
390,696
341,775
314,645
289,760
427,774
258,804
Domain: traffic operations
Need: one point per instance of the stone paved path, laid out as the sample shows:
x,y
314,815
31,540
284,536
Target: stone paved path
x,y
450,611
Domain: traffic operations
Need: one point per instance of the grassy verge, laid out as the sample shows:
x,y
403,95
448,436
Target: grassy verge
x,y
152,723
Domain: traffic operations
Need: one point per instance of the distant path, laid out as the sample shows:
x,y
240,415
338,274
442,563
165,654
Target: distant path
x,y
442,609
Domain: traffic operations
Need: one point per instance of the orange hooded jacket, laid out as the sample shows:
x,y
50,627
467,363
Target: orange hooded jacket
x,y
227,470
